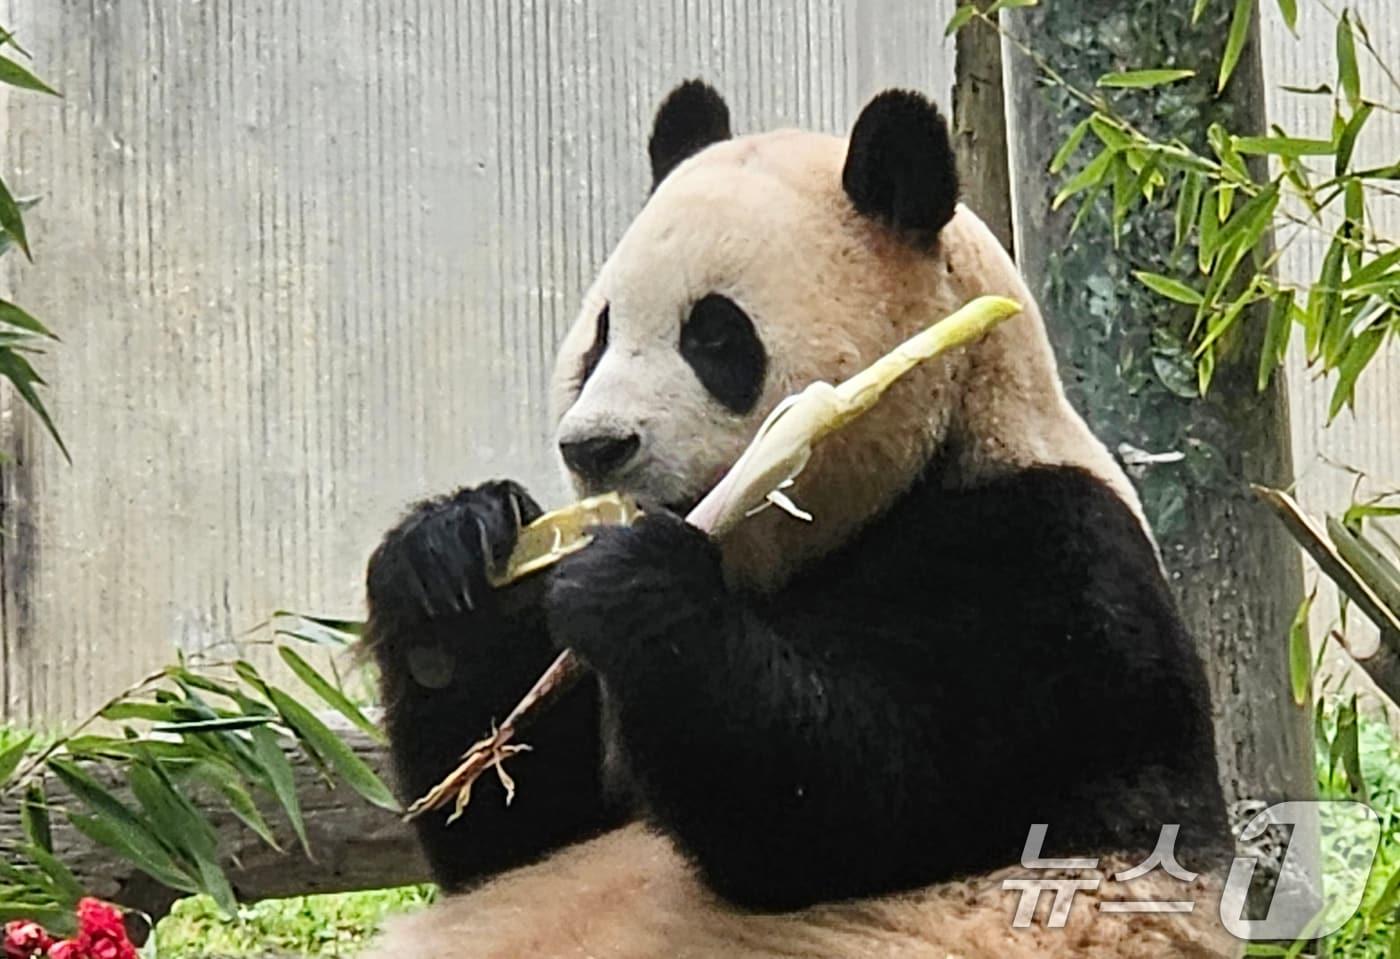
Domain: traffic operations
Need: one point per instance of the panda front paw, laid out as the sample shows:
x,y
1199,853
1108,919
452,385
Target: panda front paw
x,y
437,561
635,590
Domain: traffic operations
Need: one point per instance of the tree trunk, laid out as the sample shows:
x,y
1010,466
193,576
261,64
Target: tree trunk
x,y
1236,574
979,129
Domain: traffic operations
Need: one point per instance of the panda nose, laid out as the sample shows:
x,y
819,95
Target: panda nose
x,y
599,456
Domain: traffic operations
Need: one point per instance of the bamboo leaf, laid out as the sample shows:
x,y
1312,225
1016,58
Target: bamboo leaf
x,y
11,755
1357,512
34,817
1086,205
57,920
1208,229
1300,652
960,18
1275,336
1188,205
1123,197
282,781
350,767
7,37
350,628
132,709
1092,174
1372,567
1324,299
1348,74
1360,353
66,887
1249,223
1347,746
1205,369
14,316
1143,79
225,781
1346,143
1284,146
1234,42
1387,901
117,826
1110,133
1304,529
17,370
1225,321
12,220
1066,150
136,847
214,883
328,692
1373,271
1199,9
173,816
1170,288
186,828
1289,11
17,76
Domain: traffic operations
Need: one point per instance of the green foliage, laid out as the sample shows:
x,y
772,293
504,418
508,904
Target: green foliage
x,y
20,333
1360,554
1176,206
325,926
321,926
1358,757
132,771
1227,211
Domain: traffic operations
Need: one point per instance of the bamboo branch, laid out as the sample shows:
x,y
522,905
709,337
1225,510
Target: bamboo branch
x,y
778,453
1383,665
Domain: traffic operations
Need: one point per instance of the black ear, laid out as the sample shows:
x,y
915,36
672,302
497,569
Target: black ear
x,y
692,116
900,167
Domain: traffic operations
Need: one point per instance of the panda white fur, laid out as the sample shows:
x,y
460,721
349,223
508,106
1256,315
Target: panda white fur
x,y
812,739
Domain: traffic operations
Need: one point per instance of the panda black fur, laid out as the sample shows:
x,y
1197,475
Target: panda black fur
x,y
824,739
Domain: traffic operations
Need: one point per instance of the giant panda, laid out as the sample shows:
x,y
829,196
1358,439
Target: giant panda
x,y
825,738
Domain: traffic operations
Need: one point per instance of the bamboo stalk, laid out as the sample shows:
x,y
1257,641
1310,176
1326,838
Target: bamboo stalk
x,y
777,454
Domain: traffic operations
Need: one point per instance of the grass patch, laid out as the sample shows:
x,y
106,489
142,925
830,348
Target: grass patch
x,y
321,926
1374,933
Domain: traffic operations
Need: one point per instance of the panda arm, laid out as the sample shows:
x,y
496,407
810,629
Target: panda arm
x,y
453,655
784,759
973,663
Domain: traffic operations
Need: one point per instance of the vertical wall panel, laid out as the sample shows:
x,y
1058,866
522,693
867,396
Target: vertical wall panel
x,y
310,260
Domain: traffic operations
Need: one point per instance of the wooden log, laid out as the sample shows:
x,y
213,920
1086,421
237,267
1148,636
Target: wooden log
x,y
355,845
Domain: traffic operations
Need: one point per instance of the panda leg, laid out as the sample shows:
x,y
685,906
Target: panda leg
x,y
453,655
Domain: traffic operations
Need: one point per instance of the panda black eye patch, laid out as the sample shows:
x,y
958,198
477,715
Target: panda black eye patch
x,y
596,350
719,342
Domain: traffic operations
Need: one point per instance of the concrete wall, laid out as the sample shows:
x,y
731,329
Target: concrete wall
x,y
310,260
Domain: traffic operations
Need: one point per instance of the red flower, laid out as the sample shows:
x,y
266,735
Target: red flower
x,y
25,939
67,949
101,934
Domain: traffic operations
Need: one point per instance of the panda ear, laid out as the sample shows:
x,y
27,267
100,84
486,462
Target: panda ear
x,y
900,168
692,116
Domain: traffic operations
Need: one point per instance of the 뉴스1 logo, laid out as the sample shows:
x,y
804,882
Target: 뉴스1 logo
x,y
1321,879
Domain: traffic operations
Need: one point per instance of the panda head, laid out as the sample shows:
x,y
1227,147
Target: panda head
x,y
761,263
